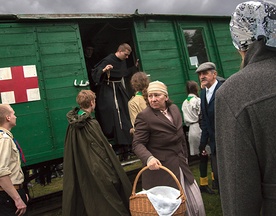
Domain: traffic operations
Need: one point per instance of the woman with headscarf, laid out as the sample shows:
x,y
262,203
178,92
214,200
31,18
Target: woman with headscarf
x,y
245,115
159,140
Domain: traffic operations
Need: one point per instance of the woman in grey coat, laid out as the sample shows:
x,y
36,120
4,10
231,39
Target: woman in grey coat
x,y
245,116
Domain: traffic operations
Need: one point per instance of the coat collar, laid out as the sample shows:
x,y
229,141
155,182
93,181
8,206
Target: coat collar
x,y
163,118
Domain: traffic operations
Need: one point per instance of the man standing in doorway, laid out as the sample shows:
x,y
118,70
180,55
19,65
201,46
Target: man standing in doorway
x,y
112,98
208,78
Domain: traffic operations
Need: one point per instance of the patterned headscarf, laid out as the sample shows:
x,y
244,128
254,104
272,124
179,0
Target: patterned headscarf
x,y
252,21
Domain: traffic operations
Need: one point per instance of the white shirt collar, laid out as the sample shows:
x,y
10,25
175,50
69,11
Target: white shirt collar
x,y
209,92
212,88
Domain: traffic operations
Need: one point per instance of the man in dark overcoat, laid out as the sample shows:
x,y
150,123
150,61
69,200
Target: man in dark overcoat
x,y
208,78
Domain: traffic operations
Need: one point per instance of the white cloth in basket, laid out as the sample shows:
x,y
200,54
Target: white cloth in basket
x,y
164,199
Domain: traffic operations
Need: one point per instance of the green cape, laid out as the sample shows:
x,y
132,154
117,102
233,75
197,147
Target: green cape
x,y
94,181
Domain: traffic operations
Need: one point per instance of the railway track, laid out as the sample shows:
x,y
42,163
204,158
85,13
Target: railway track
x,y
51,204
47,205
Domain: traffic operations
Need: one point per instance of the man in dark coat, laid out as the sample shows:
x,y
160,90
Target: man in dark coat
x,y
112,97
94,181
208,78
245,116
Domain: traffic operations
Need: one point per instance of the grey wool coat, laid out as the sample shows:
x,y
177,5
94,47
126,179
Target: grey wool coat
x,y
245,136
156,136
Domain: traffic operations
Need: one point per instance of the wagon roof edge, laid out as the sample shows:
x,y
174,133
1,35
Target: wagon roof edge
x,y
91,16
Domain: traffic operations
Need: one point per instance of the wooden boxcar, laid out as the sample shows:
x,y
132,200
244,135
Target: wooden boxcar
x,y
169,48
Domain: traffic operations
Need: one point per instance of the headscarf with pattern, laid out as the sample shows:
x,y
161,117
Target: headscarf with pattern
x,y
253,20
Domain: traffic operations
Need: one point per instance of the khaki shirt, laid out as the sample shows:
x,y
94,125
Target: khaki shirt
x,y
10,158
135,106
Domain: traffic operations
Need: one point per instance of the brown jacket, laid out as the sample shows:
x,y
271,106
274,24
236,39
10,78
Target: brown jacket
x,y
156,136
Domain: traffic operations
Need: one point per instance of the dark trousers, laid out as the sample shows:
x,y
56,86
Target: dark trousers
x,y
203,165
214,165
7,205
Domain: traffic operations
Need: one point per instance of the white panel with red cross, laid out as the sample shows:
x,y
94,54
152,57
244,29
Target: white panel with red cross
x,y
19,84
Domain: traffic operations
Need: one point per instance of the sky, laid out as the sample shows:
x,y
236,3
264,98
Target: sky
x,y
183,7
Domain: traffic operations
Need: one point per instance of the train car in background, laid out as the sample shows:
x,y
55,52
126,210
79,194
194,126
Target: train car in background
x,y
42,66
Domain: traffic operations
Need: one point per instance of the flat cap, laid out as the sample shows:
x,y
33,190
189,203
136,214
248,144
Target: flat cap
x,y
206,66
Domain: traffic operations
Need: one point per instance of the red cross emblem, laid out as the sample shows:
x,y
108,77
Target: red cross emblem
x,y
19,84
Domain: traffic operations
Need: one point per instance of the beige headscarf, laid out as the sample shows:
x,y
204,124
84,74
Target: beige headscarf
x,y
157,86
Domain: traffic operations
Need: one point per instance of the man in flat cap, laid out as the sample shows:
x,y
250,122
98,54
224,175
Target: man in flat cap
x,y
207,75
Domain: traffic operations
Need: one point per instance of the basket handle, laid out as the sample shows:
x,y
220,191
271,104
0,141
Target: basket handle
x,y
161,167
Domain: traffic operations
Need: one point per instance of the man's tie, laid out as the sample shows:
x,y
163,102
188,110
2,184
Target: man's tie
x,y
22,156
208,96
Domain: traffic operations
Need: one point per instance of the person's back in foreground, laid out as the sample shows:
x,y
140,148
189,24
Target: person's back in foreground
x,y
245,116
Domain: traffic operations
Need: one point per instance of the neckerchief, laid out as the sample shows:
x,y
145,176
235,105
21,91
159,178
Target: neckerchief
x,y
189,98
18,147
138,93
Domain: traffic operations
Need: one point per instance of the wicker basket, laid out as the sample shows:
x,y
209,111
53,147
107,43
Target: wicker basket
x,y
139,204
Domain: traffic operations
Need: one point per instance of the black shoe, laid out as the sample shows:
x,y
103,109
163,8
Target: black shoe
x,y
206,189
214,185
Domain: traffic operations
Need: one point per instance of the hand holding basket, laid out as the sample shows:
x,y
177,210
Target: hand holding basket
x,y
140,205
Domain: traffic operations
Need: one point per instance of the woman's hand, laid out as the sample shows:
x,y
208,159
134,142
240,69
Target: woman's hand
x,y
154,164
131,131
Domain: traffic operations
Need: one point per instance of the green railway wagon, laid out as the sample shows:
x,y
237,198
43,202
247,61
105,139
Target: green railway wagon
x,y
49,49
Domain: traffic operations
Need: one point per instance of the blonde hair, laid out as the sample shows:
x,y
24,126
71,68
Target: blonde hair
x,y
124,47
84,98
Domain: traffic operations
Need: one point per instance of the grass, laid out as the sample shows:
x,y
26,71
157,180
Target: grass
x,y
211,202
37,190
